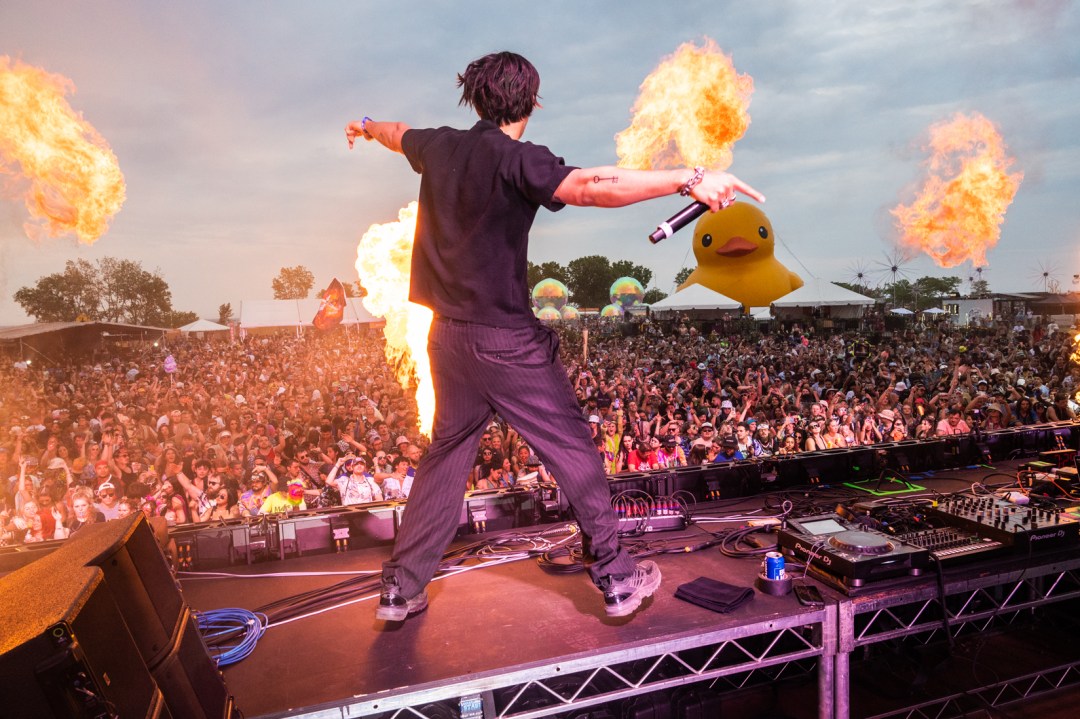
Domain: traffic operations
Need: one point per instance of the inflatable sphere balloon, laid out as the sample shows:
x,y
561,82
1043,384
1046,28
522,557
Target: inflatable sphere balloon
x,y
548,314
626,292
570,313
612,311
550,293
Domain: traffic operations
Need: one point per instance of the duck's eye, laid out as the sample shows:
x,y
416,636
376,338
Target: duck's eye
x,y
763,232
706,240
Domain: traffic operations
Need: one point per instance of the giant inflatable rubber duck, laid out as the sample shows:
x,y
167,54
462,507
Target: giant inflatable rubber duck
x,y
734,250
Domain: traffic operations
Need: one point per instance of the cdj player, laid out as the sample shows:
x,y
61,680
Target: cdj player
x,y
831,545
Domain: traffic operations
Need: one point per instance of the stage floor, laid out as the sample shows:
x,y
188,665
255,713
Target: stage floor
x,y
484,622
479,622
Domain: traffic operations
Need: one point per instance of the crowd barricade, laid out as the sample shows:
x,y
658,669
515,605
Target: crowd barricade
x,y
338,529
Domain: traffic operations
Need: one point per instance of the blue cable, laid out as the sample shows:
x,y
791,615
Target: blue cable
x,y
230,634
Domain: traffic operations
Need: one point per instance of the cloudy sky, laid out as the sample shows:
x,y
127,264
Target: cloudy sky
x,y
227,119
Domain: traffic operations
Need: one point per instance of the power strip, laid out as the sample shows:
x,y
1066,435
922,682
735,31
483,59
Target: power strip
x,y
652,523
638,514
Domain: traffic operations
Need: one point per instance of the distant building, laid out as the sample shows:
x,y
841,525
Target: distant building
x,y
963,311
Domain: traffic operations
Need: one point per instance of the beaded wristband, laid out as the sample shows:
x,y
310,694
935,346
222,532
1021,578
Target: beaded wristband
x,y
363,128
699,173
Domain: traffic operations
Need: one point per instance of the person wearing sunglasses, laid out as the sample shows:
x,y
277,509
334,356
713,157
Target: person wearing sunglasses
x,y
108,500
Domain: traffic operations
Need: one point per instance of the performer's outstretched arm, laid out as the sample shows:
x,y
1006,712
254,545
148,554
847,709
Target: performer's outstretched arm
x,y
387,134
617,187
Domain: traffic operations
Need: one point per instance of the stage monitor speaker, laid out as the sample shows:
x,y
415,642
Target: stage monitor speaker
x,y
152,611
189,679
139,575
65,650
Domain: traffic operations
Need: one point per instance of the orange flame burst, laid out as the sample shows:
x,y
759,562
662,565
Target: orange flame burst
x,y
1075,359
75,181
690,111
384,263
958,214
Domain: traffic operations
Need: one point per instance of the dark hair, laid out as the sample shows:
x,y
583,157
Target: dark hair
x,y
232,497
502,87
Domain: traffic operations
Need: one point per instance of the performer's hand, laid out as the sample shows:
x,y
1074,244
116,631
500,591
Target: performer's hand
x,y
717,190
352,131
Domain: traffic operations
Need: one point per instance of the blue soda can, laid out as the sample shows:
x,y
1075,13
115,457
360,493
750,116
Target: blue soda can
x,y
774,566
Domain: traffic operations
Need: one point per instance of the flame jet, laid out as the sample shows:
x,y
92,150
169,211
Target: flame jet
x,y
384,263
72,180
958,212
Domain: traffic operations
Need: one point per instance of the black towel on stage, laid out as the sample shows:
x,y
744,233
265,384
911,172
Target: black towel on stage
x,y
714,595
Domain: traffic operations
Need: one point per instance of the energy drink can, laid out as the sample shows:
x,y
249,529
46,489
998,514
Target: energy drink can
x,y
774,566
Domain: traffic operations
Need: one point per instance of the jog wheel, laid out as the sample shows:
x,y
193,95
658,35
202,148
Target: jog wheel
x,y
861,543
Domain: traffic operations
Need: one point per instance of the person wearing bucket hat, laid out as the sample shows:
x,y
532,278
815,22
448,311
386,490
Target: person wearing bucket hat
x,y
729,450
993,417
893,426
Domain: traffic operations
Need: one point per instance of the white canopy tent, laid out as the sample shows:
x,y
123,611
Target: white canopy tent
x,y
819,293
201,325
695,297
761,314
256,314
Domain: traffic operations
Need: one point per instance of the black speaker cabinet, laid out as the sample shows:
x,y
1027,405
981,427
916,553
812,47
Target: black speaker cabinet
x,y
136,569
149,610
65,650
192,685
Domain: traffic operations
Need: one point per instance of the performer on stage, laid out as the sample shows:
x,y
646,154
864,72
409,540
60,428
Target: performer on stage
x,y
480,190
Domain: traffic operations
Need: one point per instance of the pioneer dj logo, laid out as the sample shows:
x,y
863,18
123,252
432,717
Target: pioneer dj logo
x,y
1059,534
809,551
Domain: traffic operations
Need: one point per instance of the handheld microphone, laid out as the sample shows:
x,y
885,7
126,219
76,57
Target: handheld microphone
x,y
679,220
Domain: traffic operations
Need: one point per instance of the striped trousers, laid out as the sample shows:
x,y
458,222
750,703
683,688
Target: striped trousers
x,y
479,370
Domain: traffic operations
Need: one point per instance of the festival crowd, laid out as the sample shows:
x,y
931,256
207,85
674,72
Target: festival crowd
x,y
276,423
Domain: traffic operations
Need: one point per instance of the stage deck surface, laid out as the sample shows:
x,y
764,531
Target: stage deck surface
x,y
480,622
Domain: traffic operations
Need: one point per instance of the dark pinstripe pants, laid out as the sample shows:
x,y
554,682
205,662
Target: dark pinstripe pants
x,y
478,370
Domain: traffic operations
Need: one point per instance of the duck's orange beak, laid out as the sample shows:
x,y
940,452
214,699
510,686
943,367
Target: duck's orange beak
x,y
736,247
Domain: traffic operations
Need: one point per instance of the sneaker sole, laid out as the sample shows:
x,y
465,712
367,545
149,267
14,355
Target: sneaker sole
x,y
398,614
631,604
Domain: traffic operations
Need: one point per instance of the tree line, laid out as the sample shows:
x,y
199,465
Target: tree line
x,y
920,294
115,290
111,290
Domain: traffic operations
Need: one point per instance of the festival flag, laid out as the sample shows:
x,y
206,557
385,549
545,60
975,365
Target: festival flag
x,y
332,309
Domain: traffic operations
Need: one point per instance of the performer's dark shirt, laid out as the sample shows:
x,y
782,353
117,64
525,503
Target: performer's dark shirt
x,y
479,193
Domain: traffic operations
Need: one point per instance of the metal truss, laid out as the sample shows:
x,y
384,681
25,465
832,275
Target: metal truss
x,y
972,605
731,658
966,604
1001,694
